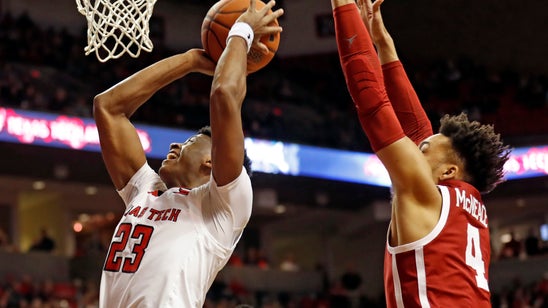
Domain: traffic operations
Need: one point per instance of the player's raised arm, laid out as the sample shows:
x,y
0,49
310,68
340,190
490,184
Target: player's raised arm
x,y
372,18
403,97
363,75
429,182
229,88
120,145
411,176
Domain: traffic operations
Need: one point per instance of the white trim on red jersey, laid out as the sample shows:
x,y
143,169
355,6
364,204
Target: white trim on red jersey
x,y
449,266
430,236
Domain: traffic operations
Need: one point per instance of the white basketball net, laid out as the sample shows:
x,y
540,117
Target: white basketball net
x,y
117,26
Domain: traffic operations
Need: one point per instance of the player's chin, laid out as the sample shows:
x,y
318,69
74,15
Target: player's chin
x,y
168,161
165,165
164,168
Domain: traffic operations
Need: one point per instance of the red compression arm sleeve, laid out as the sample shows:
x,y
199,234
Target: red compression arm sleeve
x,y
406,103
364,79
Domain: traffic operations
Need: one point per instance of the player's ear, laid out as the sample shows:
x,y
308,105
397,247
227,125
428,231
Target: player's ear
x,y
206,164
450,172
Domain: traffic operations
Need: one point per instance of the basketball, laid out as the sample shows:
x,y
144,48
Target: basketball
x,y
218,21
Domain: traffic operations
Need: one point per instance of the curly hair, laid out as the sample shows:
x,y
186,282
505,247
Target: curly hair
x,y
480,148
206,130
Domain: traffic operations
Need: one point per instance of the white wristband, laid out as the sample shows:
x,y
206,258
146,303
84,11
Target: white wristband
x,y
242,30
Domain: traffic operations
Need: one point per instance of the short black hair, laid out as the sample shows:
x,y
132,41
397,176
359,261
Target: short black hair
x,y
206,130
480,148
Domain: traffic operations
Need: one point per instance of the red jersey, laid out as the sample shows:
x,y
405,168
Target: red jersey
x,y
449,266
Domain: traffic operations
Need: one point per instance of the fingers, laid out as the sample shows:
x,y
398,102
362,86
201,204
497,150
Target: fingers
x,y
269,5
251,7
262,21
377,16
367,4
377,5
360,5
366,10
262,47
267,30
260,17
277,13
268,19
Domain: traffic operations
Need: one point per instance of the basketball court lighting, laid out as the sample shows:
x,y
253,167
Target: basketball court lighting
x,y
77,226
280,209
39,185
90,190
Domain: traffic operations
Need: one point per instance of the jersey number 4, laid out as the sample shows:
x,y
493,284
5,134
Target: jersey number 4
x,y
140,237
474,258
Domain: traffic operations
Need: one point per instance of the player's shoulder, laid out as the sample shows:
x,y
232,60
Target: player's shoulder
x,y
243,181
143,181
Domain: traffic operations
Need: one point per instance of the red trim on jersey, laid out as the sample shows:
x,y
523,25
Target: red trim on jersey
x,y
183,191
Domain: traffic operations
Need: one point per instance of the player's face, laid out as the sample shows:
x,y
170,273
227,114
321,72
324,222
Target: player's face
x,y
437,149
185,160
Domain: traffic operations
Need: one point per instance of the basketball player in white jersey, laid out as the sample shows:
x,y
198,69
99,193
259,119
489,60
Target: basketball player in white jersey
x,y
181,224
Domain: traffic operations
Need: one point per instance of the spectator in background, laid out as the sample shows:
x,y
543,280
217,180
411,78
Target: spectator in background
x,y
61,102
255,257
94,244
80,108
5,244
338,296
44,243
235,260
47,59
532,244
512,248
351,279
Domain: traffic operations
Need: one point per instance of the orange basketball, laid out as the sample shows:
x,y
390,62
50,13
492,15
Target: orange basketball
x,y
218,21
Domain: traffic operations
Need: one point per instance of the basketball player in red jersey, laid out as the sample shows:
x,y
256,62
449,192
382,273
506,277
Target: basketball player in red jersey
x,y
181,224
438,247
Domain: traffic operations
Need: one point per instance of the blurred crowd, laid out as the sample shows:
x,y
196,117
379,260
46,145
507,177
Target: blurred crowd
x,y
528,246
299,99
26,291
520,295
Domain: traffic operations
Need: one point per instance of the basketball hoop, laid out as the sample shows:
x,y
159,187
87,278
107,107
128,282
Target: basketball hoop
x,y
116,27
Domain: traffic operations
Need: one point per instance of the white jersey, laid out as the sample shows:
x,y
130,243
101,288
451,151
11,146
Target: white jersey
x,y
170,243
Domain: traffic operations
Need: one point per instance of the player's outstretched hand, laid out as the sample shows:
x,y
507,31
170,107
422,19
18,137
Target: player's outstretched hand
x,y
201,62
372,18
261,22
